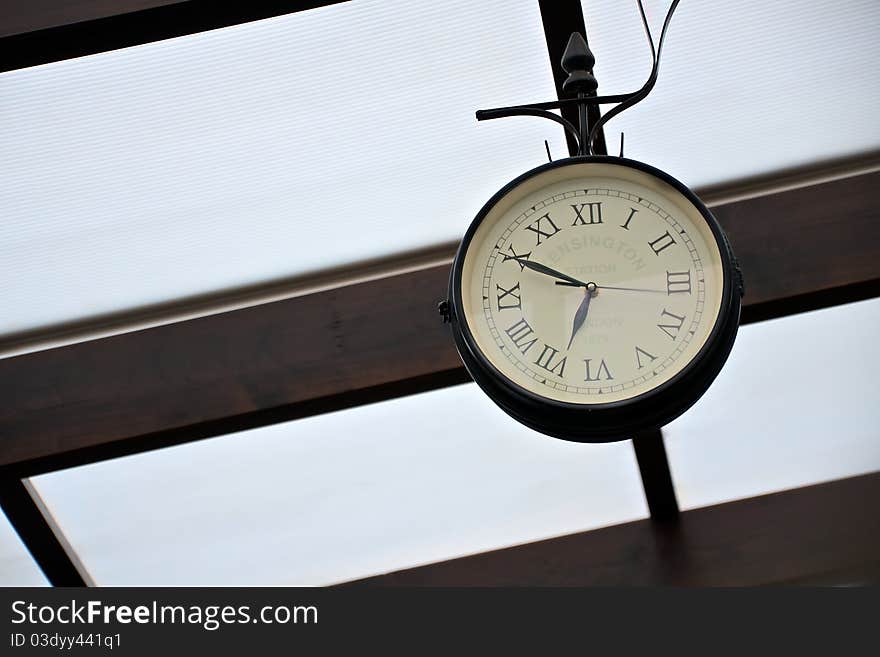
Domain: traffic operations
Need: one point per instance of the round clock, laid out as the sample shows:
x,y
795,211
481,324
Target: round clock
x,y
594,297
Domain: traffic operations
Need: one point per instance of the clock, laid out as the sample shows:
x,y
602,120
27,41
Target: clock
x,y
594,297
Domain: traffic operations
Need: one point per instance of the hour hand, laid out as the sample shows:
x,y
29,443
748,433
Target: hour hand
x,y
544,269
581,315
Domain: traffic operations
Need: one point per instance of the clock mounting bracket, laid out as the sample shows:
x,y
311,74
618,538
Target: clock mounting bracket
x,y
578,61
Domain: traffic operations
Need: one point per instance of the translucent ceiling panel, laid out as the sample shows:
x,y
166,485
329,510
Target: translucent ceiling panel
x,y
259,152
795,405
339,496
17,568
745,88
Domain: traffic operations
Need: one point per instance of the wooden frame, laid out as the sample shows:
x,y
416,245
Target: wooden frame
x,y
799,249
760,540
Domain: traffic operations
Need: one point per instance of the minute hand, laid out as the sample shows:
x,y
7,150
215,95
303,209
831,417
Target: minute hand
x,y
544,269
611,287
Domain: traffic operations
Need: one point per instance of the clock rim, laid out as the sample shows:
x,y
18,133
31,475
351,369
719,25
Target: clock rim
x,y
659,404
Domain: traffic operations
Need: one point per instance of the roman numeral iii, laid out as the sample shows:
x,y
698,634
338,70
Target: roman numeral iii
x,y
514,300
593,212
542,229
545,361
678,282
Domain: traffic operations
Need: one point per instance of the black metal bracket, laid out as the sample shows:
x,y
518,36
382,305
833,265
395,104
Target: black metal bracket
x,y
578,61
656,477
559,17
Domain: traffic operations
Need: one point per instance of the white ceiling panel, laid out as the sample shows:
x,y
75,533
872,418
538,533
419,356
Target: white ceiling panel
x,y
745,88
795,405
259,152
339,496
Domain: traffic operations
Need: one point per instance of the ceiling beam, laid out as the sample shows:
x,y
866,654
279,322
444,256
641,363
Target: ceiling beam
x,y
799,249
823,534
87,27
22,16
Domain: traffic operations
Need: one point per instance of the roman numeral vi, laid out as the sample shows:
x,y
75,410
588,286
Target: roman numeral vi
x,y
603,368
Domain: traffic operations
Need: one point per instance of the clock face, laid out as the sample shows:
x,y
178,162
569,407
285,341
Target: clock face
x,y
591,283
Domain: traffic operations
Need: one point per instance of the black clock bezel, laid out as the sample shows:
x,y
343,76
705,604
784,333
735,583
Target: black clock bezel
x,y
606,421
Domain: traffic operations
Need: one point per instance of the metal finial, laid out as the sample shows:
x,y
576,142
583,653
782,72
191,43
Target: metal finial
x,y
578,61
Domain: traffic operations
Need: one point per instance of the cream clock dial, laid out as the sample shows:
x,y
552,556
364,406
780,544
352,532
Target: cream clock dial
x,y
652,284
593,283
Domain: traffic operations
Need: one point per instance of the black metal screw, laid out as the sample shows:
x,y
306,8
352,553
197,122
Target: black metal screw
x,y
443,309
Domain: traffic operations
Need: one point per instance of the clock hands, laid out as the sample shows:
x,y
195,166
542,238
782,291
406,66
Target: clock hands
x,y
570,281
581,315
544,269
590,290
611,287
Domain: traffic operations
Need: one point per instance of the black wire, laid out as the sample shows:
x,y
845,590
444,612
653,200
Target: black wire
x,y
652,79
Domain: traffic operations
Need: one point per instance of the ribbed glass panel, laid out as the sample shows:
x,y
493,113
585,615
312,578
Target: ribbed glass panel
x,y
339,496
259,152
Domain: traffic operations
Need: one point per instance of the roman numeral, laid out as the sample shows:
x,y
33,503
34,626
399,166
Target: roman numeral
x,y
515,300
599,371
520,334
669,327
545,361
662,242
641,352
678,282
539,230
524,256
595,214
632,213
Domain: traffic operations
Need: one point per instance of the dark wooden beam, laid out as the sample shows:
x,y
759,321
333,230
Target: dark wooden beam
x,y
21,16
375,340
87,27
829,533
38,531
